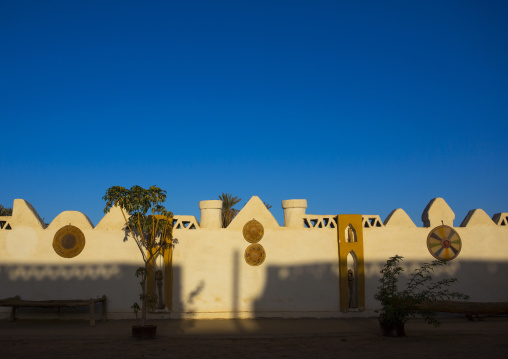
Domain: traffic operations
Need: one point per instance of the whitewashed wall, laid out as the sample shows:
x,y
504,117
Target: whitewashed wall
x,y
211,277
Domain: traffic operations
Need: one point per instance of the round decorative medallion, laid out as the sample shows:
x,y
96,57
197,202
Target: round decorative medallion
x,y
444,243
69,241
255,254
253,231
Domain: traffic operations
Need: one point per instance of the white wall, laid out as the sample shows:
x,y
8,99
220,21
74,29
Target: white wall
x,y
211,277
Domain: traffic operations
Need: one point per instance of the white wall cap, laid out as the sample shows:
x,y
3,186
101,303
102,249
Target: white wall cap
x,y
477,217
113,220
437,212
254,209
210,204
399,218
294,203
24,214
74,218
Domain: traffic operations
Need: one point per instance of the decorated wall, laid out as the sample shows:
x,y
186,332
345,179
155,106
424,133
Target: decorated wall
x,y
311,266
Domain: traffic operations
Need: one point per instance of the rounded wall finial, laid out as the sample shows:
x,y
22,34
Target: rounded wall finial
x,y
294,210
211,212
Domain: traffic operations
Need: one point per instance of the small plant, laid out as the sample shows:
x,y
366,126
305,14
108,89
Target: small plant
x,y
397,306
136,308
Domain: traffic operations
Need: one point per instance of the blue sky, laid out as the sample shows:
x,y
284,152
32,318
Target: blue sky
x,y
357,106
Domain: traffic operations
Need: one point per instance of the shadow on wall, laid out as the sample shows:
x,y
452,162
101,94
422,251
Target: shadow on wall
x,y
78,281
315,288
299,288
303,289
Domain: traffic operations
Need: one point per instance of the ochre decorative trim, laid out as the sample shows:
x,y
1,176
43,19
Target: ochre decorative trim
x,y
350,242
253,231
68,241
255,254
444,243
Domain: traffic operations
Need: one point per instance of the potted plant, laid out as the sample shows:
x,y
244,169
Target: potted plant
x,y
397,306
151,226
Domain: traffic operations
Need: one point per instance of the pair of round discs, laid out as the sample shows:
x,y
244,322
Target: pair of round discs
x,y
253,232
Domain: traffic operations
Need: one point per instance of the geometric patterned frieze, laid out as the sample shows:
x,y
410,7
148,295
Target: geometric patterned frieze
x,y
317,221
68,241
372,221
185,222
4,225
501,219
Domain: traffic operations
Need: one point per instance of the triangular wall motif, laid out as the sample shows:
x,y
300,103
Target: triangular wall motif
x,y
399,218
24,212
477,217
254,208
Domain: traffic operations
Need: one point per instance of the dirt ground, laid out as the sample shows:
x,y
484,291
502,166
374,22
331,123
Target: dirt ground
x,y
261,338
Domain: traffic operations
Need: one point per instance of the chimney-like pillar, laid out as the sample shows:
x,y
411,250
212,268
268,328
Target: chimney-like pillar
x,y
211,214
294,211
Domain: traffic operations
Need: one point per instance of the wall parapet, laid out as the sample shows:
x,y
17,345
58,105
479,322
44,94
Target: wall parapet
x,y
185,222
294,211
314,221
4,223
501,219
211,213
371,221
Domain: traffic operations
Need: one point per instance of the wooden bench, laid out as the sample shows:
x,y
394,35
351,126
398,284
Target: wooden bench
x,y
470,309
16,302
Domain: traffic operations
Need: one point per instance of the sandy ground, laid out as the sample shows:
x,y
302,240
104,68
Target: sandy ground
x,y
261,338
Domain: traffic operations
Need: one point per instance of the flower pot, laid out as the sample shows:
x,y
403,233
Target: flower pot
x,y
144,332
392,330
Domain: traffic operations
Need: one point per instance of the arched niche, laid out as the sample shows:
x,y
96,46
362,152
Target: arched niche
x,y
350,234
352,270
350,227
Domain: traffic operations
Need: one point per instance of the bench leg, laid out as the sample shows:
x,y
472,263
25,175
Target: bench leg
x,y
92,312
13,314
104,311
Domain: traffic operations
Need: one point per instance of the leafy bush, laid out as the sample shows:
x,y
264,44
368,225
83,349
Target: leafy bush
x,y
397,306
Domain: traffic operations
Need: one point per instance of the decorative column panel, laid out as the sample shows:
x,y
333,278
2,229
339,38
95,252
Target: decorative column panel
x,y
350,239
168,277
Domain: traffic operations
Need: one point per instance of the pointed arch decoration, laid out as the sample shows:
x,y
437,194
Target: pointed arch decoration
x,y
355,223
352,278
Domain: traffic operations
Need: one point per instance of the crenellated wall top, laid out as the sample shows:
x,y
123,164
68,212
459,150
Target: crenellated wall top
x,y
437,212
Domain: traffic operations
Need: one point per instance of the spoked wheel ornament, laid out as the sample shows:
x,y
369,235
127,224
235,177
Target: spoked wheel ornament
x,y
444,243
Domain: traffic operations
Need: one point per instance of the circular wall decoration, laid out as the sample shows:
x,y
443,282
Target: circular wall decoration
x,y
69,241
255,254
444,243
253,231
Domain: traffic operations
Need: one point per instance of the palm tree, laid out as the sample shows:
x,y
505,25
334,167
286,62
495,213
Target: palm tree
x,y
228,212
4,211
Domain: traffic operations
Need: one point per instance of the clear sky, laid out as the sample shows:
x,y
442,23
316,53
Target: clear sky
x,y
357,106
